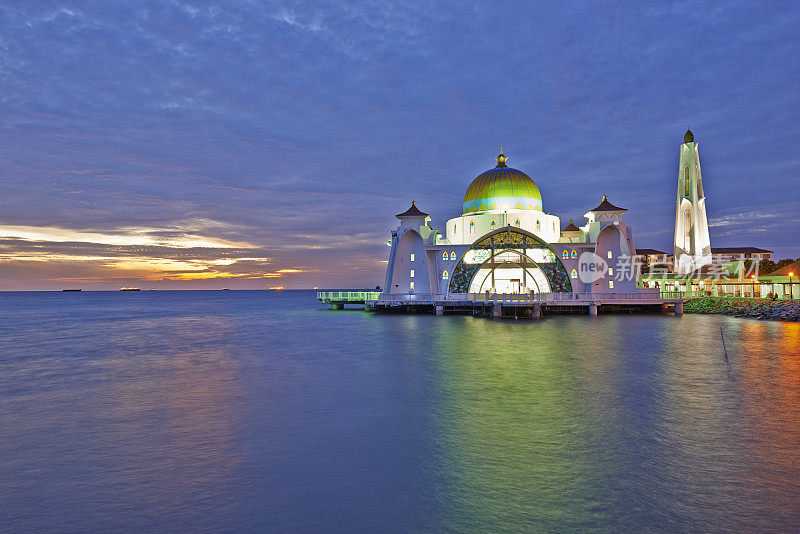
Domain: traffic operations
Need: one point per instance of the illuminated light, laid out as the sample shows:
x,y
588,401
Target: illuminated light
x,y
476,256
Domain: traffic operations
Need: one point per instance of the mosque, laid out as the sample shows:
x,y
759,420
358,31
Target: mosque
x,y
504,242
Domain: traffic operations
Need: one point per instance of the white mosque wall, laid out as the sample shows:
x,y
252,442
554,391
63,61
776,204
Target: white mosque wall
x,y
467,228
410,266
615,249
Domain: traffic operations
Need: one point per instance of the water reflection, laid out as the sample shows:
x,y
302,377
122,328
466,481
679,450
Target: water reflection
x,y
193,411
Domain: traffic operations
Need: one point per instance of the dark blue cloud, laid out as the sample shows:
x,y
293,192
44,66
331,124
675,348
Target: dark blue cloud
x,y
302,127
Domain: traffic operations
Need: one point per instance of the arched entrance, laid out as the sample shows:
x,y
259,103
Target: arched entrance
x,y
509,260
509,271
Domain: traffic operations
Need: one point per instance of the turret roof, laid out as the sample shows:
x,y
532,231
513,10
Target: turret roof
x,y
413,211
571,227
605,205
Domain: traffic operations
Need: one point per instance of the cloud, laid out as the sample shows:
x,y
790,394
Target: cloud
x,y
175,134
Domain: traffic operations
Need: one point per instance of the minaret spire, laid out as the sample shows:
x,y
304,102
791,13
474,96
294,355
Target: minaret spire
x,y
692,242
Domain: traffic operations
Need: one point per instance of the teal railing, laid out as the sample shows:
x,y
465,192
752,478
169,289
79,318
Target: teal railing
x,y
347,296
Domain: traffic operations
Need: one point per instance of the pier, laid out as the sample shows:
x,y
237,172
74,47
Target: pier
x,y
521,305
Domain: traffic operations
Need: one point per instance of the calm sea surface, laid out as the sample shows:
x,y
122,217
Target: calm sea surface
x,y
257,411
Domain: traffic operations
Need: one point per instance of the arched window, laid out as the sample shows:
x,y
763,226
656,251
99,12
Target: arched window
x,y
445,276
687,188
493,224
472,227
574,253
565,254
516,223
453,255
573,274
538,225
687,231
444,256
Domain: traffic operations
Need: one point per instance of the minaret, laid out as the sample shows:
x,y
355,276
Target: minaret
x,y
692,244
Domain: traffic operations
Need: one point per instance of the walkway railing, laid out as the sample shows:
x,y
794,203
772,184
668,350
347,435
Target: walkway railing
x,y
347,296
533,298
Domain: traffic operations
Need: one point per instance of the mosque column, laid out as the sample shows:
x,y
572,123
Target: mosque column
x,y
494,289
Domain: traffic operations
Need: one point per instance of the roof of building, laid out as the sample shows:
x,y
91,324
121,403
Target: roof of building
x,y
739,250
571,227
413,211
605,205
648,252
793,268
502,188
688,137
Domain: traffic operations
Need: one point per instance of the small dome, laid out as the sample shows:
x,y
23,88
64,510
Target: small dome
x,y
688,137
502,188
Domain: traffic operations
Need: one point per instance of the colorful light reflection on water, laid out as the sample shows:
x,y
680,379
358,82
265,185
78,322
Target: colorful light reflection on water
x,y
263,410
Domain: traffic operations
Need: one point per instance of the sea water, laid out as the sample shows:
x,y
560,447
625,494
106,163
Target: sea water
x,y
266,411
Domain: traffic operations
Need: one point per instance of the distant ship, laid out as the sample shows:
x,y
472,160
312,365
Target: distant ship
x,y
226,289
129,289
70,290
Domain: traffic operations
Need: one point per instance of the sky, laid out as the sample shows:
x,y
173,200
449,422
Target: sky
x,y
178,144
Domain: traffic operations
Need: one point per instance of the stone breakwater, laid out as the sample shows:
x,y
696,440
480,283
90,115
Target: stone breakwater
x,y
773,310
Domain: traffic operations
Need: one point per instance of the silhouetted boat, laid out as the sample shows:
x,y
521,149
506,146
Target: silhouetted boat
x,y
70,290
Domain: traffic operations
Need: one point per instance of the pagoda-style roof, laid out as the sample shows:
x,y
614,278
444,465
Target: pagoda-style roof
x,y
571,227
793,268
413,211
649,252
739,250
605,205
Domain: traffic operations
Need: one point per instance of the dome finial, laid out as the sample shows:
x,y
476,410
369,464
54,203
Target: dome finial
x,y
688,137
604,197
501,159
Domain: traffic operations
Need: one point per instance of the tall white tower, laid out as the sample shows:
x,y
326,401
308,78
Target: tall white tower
x,y
692,244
